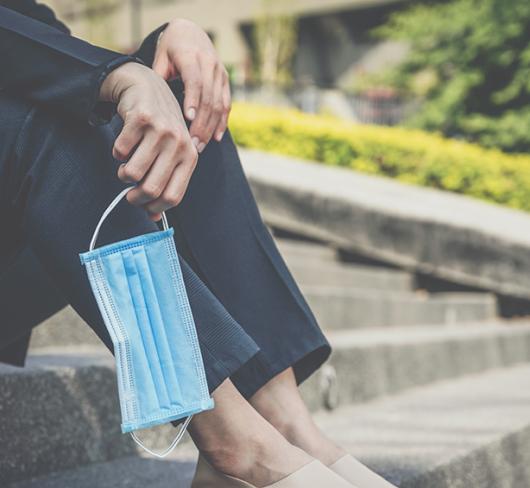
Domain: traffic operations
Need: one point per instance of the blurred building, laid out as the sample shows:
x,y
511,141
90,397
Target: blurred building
x,y
333,46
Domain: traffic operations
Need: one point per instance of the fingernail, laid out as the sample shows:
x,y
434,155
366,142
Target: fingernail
x,y
195,141
191,113
201,147
220,135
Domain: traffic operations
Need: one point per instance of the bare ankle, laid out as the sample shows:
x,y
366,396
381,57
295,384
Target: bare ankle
x,y
239,442
309,438
234,457
259,460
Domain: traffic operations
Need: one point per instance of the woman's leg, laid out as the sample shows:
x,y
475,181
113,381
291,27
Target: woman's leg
x,y
219,231
239,442
280,403
221,234
56,182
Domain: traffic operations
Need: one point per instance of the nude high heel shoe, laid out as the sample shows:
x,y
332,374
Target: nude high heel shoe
x,y
312,475
357,473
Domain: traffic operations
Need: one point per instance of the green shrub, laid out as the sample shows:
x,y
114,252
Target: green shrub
x,y
408,155
476,55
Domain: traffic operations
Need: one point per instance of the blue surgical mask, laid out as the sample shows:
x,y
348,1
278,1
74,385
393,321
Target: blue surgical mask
x,y
141,295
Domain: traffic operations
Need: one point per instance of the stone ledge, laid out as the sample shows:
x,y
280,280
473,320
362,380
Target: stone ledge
x,y
346,308
372,363
438,233
61,411
57,413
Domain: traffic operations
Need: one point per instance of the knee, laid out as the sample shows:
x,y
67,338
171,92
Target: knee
x,y
13,113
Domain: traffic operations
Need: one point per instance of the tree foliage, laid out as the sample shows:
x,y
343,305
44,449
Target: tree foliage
x,y
470,59
275,36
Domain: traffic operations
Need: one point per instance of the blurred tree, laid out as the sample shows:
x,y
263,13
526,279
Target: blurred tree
x,y
275,38
470,61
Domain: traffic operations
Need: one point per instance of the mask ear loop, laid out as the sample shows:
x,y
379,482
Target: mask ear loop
x,y
109,209
172,446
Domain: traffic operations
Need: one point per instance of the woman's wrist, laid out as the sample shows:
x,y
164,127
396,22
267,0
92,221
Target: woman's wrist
x,y
118,80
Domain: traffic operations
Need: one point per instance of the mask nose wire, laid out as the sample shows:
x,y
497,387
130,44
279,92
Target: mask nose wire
x,y
109,209
172,446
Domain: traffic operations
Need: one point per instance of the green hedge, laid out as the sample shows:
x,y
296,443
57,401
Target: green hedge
x,y
410,156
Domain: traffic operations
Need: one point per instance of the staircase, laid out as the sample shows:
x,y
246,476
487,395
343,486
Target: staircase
x,y
430,388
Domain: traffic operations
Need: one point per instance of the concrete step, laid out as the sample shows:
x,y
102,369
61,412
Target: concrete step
x,y
309,251
175,471
370,363
437,233
318,264
473,432
367,362
468,433
62,411
340,307
59,412
65,328
336,274
335,308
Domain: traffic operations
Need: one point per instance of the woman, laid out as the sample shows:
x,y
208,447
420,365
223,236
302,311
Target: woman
x,y
258,338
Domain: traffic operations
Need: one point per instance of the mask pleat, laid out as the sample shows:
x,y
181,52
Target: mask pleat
x,y
176,323
135,278
117,277
153,286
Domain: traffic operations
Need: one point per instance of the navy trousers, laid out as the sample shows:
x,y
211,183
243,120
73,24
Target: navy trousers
x,y
56,178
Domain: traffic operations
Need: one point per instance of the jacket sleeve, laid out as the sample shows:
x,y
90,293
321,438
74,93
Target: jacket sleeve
x,y
146,51
36,11
47,66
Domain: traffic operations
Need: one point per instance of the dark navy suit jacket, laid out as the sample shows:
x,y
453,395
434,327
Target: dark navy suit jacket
x,y
43,63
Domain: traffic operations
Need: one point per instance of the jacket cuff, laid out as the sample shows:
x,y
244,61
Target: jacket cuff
x,y
101,112
146,51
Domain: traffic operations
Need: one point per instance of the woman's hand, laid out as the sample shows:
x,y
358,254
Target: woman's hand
x,y
154,140
185,50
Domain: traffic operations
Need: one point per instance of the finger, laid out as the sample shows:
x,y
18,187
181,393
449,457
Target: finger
x,y
140,162
155,217
162,66
129,137
191,77
175,189
156,178
174,192
217,106
227,103
199,126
